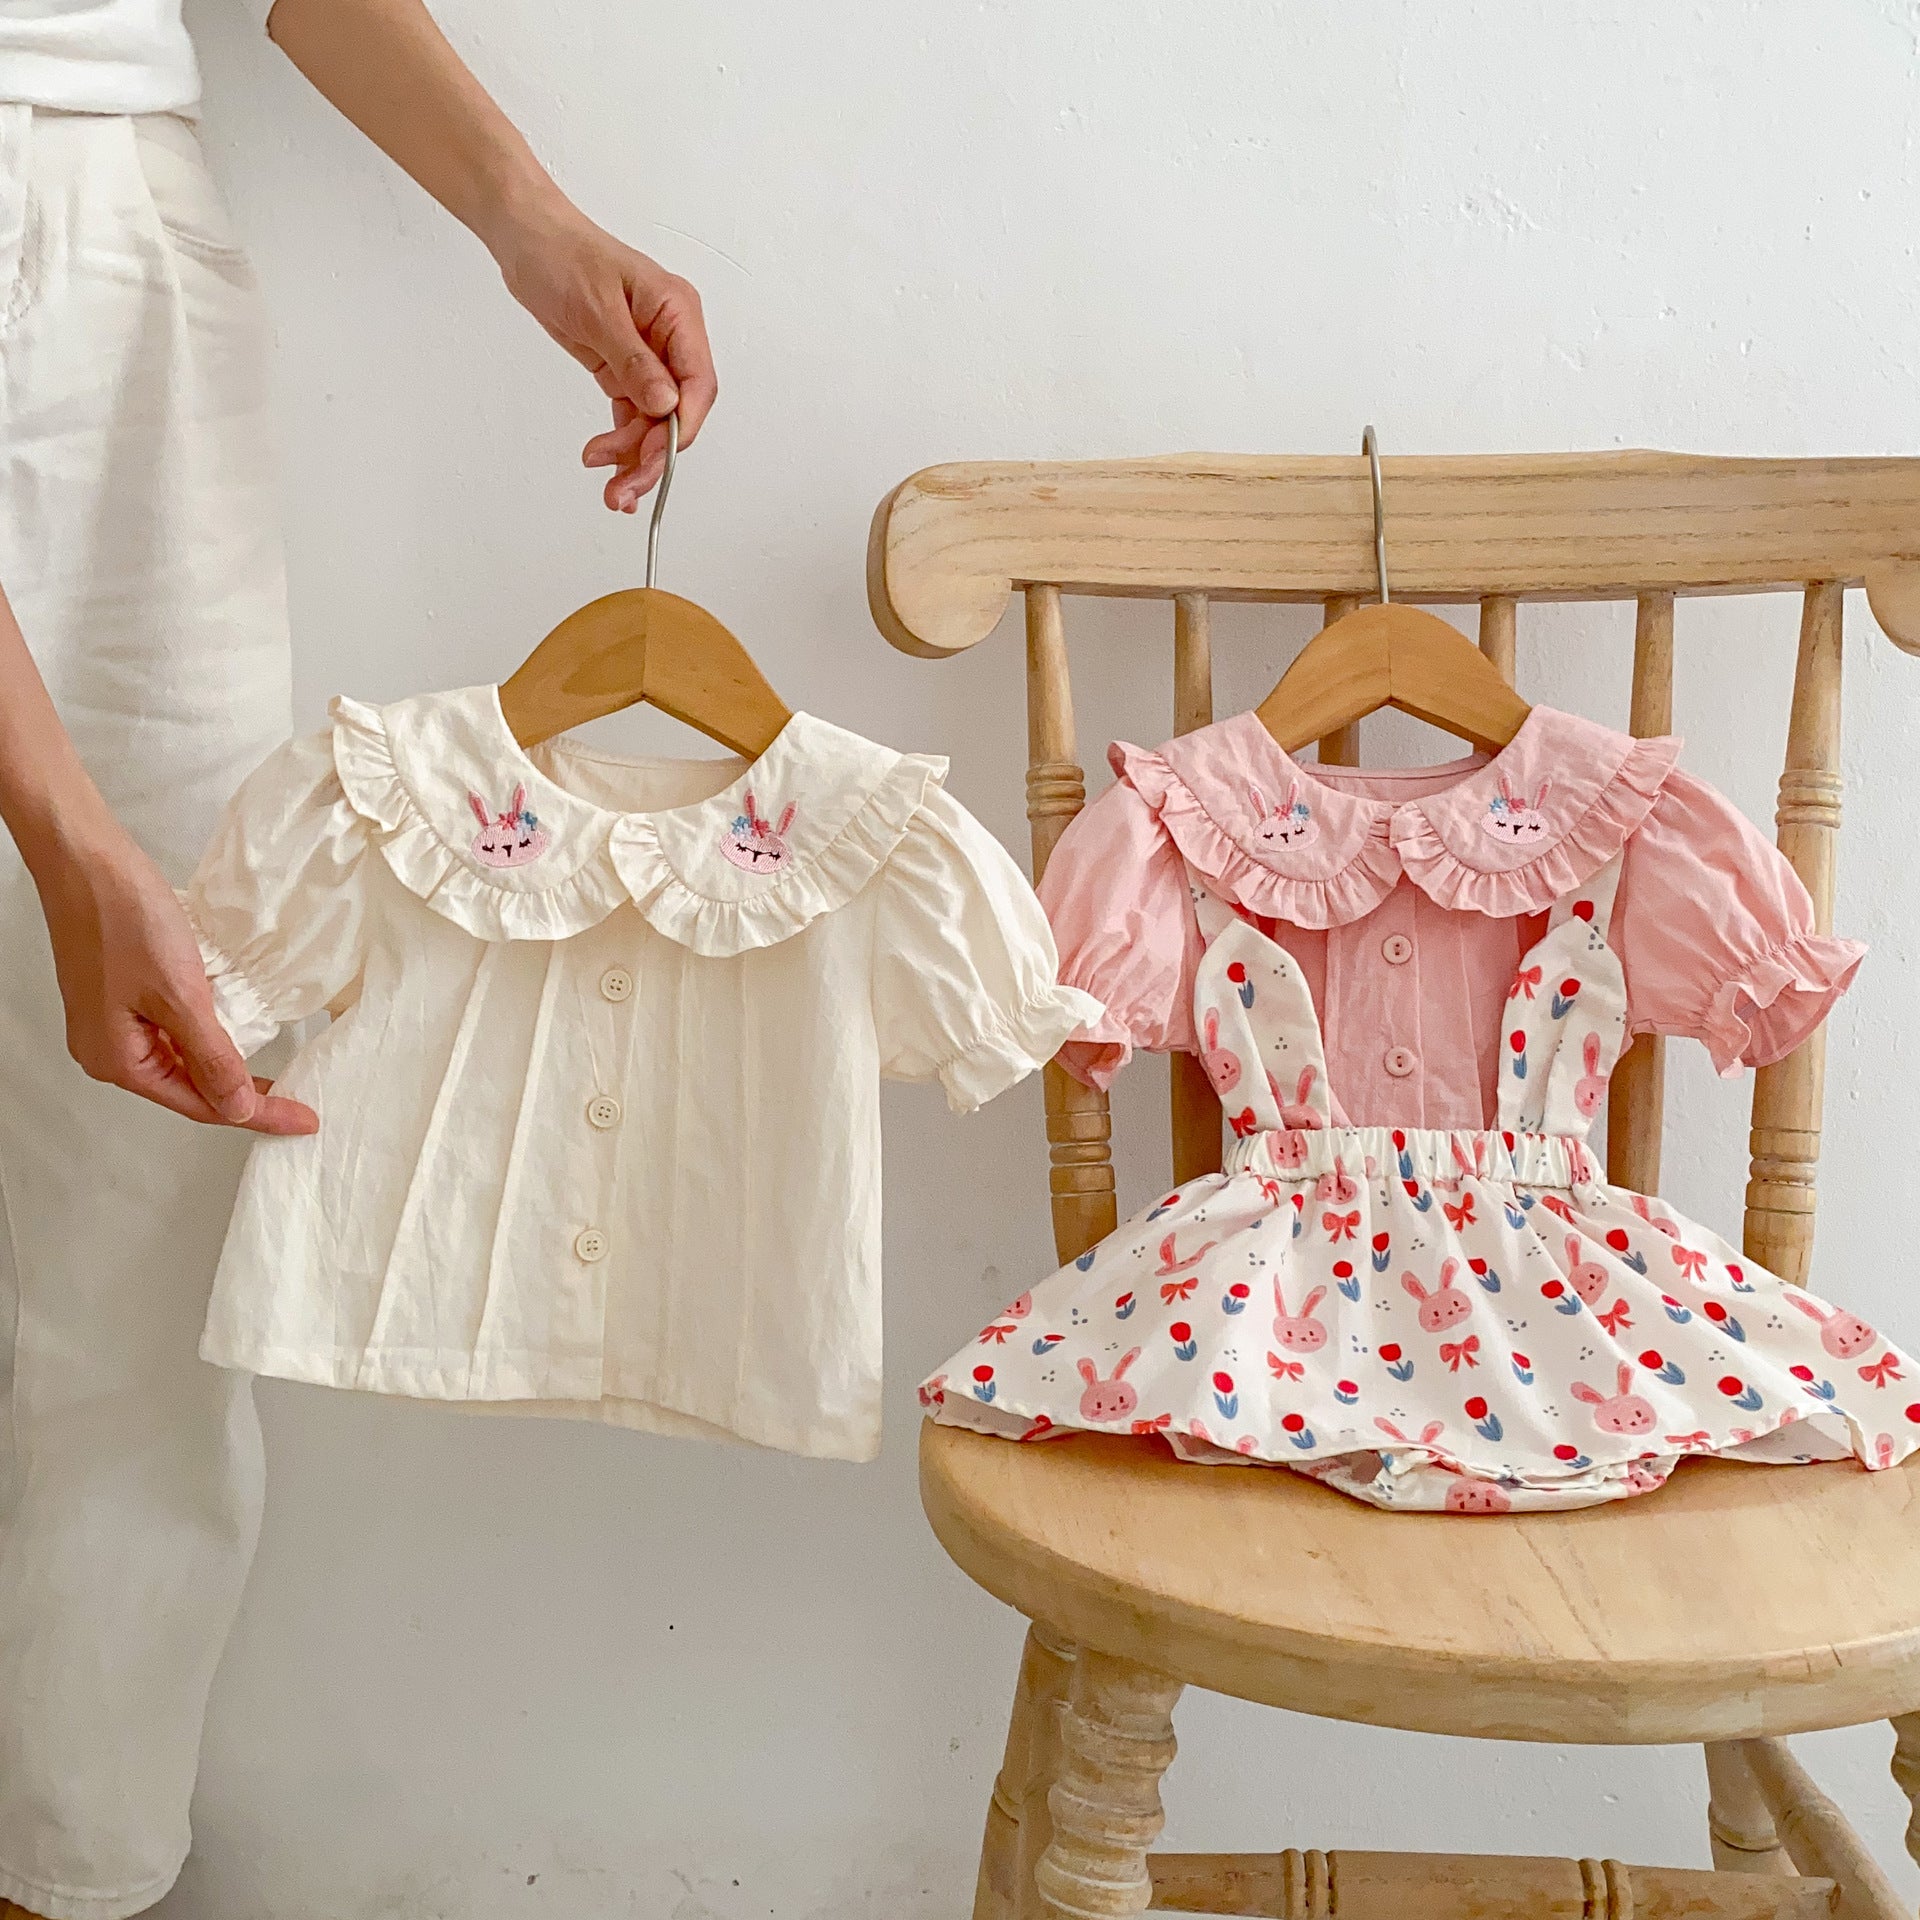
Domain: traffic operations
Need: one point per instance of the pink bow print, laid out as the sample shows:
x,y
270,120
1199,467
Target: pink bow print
x,y
1524,982
1691,1264
1285,1369
1172,1290
1158,1424
1616,1317
1460,1216
1878,1372
1690,1442
1461,1353
1341,1226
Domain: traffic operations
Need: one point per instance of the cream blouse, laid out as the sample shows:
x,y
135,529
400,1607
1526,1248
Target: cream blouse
x,y
600,1128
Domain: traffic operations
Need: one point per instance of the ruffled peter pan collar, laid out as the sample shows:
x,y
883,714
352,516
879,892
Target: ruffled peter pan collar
x,y
1508,837
470,823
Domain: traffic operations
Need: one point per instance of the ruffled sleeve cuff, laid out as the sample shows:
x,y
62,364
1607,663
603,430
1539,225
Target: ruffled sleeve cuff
x,y
1015,1045
1097,1051
1778,1000
237,1003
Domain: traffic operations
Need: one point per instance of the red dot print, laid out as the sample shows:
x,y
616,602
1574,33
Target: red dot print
x,y
1343,1269
1520,1360
1733,1386
1382,1241
1223,1383
1568,988
1565,1452
1399,1141
1913,1413
1292,1422
1714,1310
1652,1361
1511,1142
1237,972
1552,1290
1347,1386
1736,1273
1517,1041
1618,1240
1583,909
1801,1373
983,1373
1181,1332
1390,1353
1239,1289
1476,1408
1412,1187
1479,1266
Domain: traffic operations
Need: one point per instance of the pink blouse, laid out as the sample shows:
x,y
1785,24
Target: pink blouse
x,y
1410,896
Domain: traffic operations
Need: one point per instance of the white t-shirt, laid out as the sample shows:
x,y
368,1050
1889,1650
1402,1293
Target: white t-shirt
x,y
100,56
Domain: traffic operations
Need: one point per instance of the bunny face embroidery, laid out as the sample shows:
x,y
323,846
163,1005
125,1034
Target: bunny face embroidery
x,y
511,839
1290,824
1513,818
1110,1399
1622,1411
1587,1277
755,844
1222,1064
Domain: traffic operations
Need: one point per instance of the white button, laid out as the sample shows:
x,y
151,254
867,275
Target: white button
x,y
603,1110
1400,1062
616,984
1397,948
590,1244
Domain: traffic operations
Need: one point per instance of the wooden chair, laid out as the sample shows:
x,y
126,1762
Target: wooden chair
x,y
1140,1576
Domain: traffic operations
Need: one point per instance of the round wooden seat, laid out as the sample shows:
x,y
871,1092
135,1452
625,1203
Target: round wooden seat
x,y
1737,1601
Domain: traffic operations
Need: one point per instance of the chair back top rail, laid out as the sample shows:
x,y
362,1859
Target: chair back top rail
x,y
950,544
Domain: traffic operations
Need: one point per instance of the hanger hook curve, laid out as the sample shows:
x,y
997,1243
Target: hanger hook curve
x,y
1370,446
666,481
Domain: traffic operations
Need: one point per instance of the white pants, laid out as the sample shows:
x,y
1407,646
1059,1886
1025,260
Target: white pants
x,y
138,546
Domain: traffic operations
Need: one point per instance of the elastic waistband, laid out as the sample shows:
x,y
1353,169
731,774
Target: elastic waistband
x,y
1418,1154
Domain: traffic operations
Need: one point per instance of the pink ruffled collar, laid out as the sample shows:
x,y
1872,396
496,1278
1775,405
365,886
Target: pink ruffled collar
x,y
1503,837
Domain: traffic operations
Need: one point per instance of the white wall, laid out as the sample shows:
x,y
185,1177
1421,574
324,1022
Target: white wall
x,y
516,1670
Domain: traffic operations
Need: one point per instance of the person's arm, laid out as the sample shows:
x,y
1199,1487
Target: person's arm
x,y
139,1009
635,327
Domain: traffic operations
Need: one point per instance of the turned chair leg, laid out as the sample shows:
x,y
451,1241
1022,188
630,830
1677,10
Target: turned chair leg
x,y
1018,1822
1738,1823
1905,1768
1116,1741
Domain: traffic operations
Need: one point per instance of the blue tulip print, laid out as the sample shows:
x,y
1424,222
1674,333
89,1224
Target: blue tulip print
x,y
1382,1251
1047,1342
1421,1200
1746,1398
1124,1306
1820,1389
1555,1292
1346,1391
1086,1260
1237,973
1395,1361
1234,1300
1172,1200
1346,1279
1675,1312
1297,1430
1667,1372
1563,998
983,1387
1486,1275
1518,1042
1486,1423
1523,1369
1185,1346
1723,1321
1515,1218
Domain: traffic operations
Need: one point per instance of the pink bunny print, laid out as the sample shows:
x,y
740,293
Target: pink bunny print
x,y
1510,817
1170,1262
510,839
755,844
1842,1334
1112,1398
1622,1411
1477,1496
1297,1113
1446,1306
1589,1278
1290,824
1222,1065
1591,1088
1298,1332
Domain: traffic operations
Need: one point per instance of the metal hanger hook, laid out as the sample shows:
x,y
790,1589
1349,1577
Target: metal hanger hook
x,y
1370,446
666,481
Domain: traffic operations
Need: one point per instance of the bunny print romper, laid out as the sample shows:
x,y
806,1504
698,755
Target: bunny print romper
x,y
1411,1280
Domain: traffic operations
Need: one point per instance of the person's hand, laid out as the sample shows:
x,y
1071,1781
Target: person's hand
x,y
634,326
139,1009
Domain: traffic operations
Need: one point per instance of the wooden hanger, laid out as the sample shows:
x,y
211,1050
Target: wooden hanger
x,y
644,644
1391,655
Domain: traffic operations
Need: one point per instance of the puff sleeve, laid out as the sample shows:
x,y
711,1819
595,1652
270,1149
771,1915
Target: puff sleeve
x,y
1715,931
965,986
278,899
1116,893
